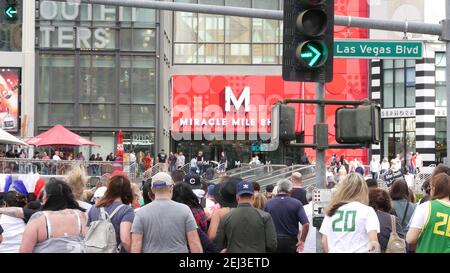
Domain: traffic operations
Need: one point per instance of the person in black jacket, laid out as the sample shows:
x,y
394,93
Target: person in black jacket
x,y
1,232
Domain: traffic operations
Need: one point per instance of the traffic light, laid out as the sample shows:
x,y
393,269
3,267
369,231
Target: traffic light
x,y
359,125
308,40
282,126
10,10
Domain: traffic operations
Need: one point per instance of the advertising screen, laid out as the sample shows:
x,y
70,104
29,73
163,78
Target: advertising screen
x,y
9,99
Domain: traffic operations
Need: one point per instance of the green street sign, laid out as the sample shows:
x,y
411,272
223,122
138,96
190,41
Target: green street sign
x,y
11,12
378,49
312,53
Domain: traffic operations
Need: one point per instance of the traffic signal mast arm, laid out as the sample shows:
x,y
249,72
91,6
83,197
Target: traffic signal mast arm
x,y
350,21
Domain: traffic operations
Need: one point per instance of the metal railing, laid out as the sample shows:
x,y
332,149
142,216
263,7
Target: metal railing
x,y
308,173
250,171
52,167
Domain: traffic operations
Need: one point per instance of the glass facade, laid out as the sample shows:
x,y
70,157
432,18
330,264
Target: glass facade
x,y
399,83
399,137
441,139
97,71
441,93
218,39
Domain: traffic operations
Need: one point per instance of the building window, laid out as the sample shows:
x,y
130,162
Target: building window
x,y
399,137
441,86
399,83
111,81
441,139
218,39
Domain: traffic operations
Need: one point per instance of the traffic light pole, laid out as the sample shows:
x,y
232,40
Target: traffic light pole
x,y
446,32
320,152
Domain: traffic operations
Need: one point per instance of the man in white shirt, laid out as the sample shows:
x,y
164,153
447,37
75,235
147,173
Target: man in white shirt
x,y
181,160
375,168
56,156
132,163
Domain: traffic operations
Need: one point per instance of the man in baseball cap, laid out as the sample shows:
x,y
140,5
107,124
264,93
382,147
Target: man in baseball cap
x,y
246,229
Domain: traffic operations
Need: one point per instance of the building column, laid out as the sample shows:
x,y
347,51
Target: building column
x,y
425,108
375,96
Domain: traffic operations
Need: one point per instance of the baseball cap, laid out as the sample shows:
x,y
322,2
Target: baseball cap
x,y
161,180
194,181
211,189
244,187
100,192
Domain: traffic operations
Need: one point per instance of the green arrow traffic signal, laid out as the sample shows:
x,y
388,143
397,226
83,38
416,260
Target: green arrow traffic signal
x,y
11,12
313,53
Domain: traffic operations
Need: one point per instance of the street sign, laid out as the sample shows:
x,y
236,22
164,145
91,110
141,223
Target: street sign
x,y
378,49
11,12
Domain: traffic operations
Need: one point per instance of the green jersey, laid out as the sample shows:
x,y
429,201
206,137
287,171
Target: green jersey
x,y
435,235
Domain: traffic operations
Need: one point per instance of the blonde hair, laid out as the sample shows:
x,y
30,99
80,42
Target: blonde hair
x,y
352,188
260,200
77,180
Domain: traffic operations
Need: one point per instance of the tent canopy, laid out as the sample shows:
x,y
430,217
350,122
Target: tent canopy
x,y
60,136
7,138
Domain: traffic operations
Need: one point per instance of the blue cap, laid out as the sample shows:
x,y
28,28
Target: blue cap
x,y
244,187
211,190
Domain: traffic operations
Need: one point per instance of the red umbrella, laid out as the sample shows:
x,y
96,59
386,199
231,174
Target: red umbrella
x,y
60,136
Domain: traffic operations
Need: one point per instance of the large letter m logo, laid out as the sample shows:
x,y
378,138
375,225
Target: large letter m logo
x,y
243,98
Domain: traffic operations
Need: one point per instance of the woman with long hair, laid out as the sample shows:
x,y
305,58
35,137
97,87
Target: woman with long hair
x,y
182,193
401,202
350,225
77,180
60,226
116,201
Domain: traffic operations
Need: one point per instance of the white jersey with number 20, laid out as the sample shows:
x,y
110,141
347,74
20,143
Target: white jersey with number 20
x,y
347,230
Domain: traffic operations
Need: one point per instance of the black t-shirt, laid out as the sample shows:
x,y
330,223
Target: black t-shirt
x,y
299,194
162,157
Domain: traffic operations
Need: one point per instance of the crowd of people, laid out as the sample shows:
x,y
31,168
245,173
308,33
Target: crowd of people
x,y
174,212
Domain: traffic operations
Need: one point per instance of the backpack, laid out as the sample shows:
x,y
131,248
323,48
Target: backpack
x,y
395,243
101,236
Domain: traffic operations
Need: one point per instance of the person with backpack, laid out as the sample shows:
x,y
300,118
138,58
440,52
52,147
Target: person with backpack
x,y
350,225
403,208
61,225
429,232
380,201
112,210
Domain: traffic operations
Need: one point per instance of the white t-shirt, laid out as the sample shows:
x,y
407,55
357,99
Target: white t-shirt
x,y
347,230
132,158
13,229
310,242
56,157
420,215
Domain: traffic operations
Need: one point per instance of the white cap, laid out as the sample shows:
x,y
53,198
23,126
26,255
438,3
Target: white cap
x,y
161,180
100,192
